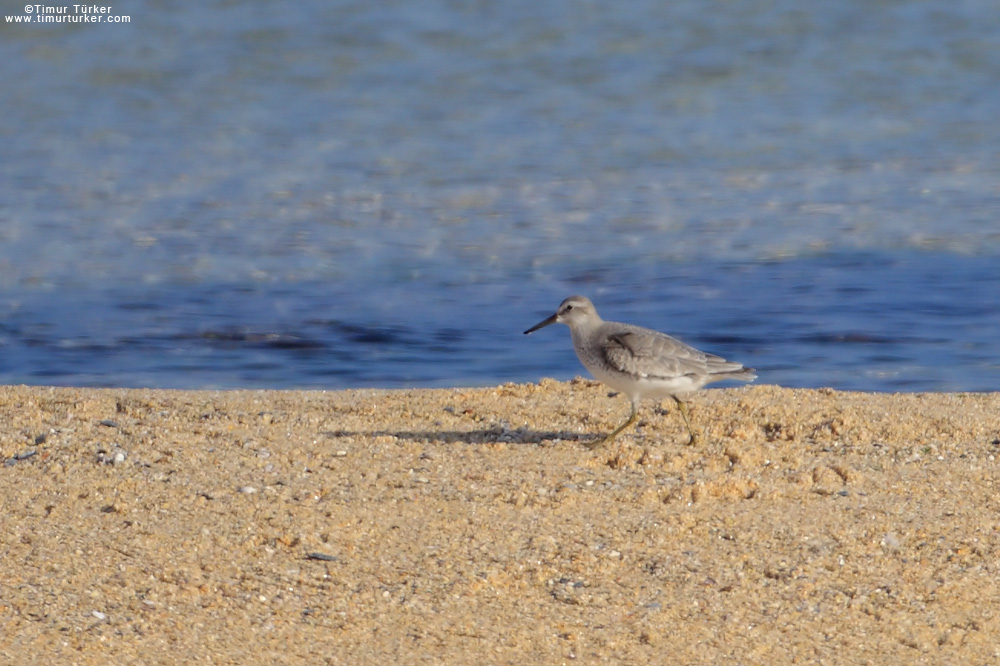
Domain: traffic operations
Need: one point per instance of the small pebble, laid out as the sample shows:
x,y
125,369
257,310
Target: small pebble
x,y
321,556
99,615
247,490
115,457
109,423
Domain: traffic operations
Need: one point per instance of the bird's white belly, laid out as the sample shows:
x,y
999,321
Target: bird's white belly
x,y
645,387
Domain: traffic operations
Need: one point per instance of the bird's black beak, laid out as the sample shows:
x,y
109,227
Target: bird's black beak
x,y
542,324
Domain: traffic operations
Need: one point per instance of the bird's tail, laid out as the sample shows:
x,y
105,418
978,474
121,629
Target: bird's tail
x,y
730,370
743,374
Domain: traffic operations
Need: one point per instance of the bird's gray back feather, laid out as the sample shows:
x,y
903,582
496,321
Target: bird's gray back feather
x,y
643,352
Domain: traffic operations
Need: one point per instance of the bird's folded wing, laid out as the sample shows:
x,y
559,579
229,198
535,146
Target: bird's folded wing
x,y
651,354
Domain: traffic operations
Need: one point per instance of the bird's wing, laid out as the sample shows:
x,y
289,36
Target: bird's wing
x,y
647,353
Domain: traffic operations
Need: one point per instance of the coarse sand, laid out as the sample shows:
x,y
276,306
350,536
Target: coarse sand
x,y
470,526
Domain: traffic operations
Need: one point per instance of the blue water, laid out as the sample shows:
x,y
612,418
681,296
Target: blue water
x,y
346,194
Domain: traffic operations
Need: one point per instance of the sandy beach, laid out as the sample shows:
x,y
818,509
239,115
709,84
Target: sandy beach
x,y
472,525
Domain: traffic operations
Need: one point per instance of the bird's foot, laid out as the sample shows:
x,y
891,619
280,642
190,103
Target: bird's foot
x,y
597,443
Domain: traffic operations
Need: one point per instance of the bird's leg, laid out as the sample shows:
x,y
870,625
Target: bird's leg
x,y
683,409
610,438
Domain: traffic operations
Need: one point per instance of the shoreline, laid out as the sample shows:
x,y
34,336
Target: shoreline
x,y
160,526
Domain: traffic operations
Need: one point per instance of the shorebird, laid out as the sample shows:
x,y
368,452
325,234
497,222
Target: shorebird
x,y
639,362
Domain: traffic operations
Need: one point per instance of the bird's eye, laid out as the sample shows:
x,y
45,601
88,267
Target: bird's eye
x,y
569,307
